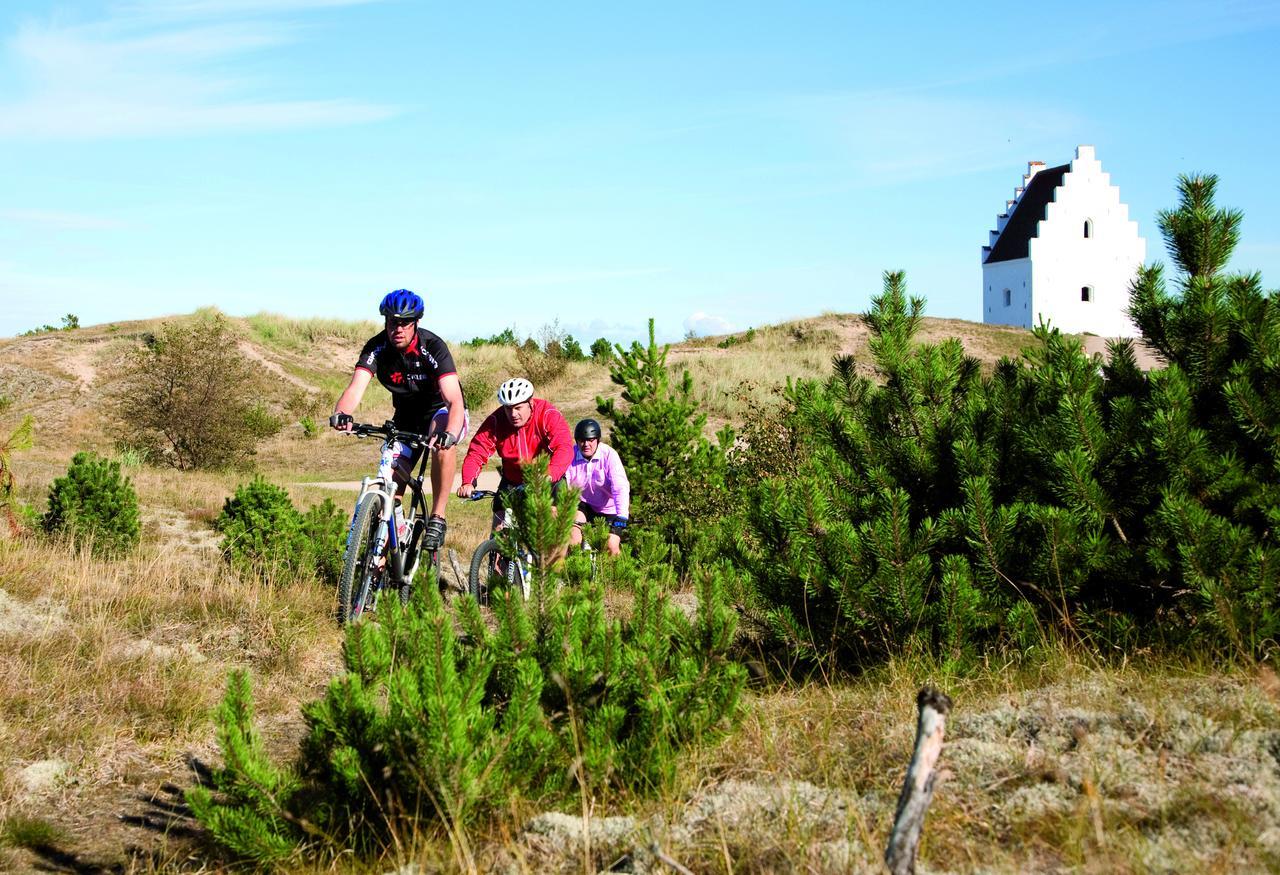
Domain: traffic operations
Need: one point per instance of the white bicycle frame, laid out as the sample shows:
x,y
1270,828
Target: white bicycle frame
x,y
384,486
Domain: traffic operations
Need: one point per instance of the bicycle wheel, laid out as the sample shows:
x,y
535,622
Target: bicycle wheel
x,y
485,563
359,564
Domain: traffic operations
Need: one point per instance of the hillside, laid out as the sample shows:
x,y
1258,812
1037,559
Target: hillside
x,y
66,378
109,670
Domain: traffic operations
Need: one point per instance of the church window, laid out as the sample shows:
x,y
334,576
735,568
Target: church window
x,y
1088,228
1008,297
1086,293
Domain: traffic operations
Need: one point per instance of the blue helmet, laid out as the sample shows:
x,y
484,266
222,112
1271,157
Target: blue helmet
x,y
402,304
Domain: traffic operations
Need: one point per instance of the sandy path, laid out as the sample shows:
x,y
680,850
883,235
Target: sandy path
x,y
487,480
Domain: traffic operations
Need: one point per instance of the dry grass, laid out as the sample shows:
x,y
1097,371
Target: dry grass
x,y
1061,765
113,667
304,335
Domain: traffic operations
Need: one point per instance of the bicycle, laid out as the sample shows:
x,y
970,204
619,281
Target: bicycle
x,y
378,554
488,560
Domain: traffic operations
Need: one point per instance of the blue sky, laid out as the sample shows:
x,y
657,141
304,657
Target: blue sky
x,y
713,165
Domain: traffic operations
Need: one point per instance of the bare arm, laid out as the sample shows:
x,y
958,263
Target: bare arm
x,y
349,400
451,390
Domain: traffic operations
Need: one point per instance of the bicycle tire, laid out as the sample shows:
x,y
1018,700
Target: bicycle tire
x,y
355,579
481,570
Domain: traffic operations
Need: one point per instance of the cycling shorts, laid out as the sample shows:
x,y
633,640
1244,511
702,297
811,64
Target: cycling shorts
x,y
403,457
592,514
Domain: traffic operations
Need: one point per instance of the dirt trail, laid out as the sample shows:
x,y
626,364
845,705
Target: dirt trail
x,y
252,352
486,480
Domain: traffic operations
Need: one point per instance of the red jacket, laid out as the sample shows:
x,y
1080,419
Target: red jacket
x,y
545,432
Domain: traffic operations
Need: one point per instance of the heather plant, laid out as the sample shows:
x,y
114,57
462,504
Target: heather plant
x,y
94,504
444,717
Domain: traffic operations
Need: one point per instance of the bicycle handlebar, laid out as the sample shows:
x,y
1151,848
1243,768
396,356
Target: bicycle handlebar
x,y
481,494
389,431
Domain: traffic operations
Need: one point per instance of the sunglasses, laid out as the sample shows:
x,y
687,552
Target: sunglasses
x,y
399,323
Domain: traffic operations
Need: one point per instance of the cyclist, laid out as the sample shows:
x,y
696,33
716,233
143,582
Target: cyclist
x,y
417,369
597,470
521,428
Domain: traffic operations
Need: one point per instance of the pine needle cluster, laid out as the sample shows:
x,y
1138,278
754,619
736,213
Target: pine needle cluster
x,y
441,719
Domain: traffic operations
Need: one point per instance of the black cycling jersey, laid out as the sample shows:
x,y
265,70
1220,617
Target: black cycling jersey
x,y
412,377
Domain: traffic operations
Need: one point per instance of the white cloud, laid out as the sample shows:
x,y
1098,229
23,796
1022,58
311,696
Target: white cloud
x,y
703,324
154,69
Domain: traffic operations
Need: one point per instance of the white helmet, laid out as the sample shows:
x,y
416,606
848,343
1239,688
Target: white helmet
x,y
514,391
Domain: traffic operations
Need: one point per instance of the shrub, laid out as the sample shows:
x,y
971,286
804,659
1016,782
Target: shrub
x,y
572,350
94,504
942,509
602,350
736,339
19,439
505,337
479,388
1211,422
539,366
676,474
324,527
426,725
261,529
263,532
190,397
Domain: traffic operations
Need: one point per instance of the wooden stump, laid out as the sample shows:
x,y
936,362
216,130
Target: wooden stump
x,y
917,789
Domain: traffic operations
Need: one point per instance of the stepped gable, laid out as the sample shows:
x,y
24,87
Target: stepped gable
x,y
1022,225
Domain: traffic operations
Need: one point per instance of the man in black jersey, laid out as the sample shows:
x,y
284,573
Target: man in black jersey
x,y
417,369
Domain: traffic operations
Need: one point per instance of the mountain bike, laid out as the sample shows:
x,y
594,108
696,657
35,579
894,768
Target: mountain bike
x,y
488,562
383,546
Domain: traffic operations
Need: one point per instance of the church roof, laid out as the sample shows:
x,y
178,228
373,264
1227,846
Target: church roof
x,y
1021,227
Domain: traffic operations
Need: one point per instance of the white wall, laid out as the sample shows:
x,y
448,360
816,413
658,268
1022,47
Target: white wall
x,y
1015,276
1063,260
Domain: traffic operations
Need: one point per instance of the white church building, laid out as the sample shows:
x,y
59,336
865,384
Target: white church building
x,y
1065,251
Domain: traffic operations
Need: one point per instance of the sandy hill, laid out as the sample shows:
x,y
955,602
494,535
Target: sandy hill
x,y
66,379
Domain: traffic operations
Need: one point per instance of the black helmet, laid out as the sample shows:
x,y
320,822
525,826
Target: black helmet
x,y
586,430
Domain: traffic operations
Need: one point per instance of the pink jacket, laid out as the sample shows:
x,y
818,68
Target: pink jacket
x,y
603,481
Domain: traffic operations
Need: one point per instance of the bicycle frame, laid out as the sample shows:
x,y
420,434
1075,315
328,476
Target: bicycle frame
x,y
385,487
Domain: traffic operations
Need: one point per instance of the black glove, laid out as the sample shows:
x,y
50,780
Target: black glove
x,y
619,522
338,420
443,440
